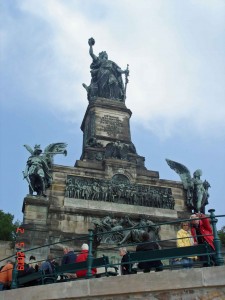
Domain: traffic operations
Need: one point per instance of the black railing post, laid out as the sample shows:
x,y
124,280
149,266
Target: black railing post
x,y
14,277
90,256
14,284
217,243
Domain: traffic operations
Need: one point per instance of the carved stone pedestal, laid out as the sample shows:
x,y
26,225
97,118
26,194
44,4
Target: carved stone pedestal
x,y
109,179
35,210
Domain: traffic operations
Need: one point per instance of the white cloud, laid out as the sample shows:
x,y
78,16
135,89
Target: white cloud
x,y
172,80
176,87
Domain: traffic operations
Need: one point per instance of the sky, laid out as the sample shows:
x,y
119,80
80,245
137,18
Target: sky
x,y
176,90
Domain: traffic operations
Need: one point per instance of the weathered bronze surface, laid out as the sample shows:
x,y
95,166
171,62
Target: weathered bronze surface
x,y
118,190
197,190
38,168
106,77
117,234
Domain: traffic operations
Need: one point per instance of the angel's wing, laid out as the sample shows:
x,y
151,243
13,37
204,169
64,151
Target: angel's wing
x,y
29,149
182,171
56,148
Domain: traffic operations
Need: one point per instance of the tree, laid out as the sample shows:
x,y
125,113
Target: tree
x,y
7,227
221,234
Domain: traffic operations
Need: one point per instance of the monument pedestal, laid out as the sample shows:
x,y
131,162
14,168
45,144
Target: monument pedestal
x,y
35,225
35,210
109,179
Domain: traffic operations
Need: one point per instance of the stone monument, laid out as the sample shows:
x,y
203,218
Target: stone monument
x,y
109,180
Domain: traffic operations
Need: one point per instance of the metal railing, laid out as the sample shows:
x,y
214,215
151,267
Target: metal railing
x,y
89,238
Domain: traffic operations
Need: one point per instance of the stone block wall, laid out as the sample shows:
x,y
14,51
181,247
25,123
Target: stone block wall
x,y
56,218
186,284
5,250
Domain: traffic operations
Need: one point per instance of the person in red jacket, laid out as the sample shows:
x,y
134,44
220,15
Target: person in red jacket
x,y
6,276
202,232
83,257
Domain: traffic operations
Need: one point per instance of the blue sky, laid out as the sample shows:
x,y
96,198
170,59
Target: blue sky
x,y
176,90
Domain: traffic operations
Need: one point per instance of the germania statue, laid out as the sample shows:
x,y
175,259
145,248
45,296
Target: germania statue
x,y
106,77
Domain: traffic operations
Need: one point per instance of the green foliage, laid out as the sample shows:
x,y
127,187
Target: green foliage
x,y
221,234
7,227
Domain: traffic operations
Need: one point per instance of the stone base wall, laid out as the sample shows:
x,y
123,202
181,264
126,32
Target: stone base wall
x,y
57,218
186,284
5,251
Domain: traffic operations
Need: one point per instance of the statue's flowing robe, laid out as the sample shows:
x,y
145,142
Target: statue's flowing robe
x,y
108,79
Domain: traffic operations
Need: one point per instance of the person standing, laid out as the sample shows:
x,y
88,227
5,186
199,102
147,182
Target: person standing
x,y
126,267
146,245
201,230
202,233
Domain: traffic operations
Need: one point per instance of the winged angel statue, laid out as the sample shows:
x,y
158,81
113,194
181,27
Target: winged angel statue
x,y
197,191
37,172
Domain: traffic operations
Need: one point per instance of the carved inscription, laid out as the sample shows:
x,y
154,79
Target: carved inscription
x,y
111,125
